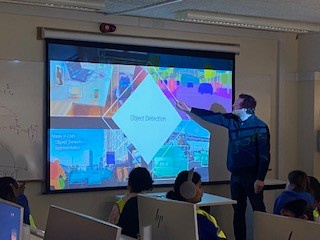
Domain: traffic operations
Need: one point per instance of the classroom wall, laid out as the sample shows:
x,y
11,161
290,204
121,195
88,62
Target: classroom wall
x,y
264,68
309,103
287,107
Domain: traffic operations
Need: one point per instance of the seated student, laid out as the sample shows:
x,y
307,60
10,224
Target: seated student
x,y
297,188
139,180
12,191
188,188
315,189
296,209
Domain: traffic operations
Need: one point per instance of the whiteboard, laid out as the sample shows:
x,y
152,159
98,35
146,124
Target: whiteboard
x,y
21,119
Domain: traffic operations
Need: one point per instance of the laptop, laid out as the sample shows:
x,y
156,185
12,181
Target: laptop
x,y
270,226
64,224
11,220
76,72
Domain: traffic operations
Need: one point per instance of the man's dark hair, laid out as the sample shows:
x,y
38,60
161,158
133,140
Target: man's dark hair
x,y
140,180
248,102
300,180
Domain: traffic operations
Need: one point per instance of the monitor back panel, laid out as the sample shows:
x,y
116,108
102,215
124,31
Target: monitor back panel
x,y
63,224
269,226
161,219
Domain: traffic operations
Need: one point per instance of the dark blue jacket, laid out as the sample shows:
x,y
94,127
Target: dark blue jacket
x,y
249,142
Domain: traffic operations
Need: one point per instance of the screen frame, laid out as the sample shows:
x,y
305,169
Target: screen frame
x,y
153,49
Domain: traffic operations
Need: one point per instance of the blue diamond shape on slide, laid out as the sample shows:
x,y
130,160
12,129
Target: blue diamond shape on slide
x,y
147,118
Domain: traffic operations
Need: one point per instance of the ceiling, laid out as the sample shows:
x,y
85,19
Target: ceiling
x,y
293,10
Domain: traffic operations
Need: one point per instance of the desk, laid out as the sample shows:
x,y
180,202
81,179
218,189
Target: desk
x,y
36,234
35,237
206,201
214,200
40,236
272,184
122,237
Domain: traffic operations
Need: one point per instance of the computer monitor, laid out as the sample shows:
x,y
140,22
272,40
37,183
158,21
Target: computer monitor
x,y
66,224
270,226
11,220
161,218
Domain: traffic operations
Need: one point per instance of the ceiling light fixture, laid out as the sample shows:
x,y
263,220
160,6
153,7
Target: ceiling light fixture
x,y
146,7
247,22
67,4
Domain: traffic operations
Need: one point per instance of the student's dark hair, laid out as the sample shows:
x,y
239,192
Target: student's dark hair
x,y
5,188
315,188
298,207
300,181
140,180
248,102
181,178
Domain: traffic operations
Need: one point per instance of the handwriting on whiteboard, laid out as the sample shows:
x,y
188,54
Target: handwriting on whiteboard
x,y
9,166
21,119
6,90
16,128
8,172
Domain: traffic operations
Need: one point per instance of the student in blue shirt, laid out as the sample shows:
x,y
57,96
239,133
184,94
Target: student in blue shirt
x,y
297,188
188,188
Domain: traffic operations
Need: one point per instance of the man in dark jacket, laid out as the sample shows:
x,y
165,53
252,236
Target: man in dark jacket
x,y
248,155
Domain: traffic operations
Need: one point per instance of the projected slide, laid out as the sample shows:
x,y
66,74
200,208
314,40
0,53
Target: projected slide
x,y
107,119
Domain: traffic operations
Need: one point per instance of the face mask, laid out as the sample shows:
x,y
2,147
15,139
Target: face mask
x,y
237,112
241,113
